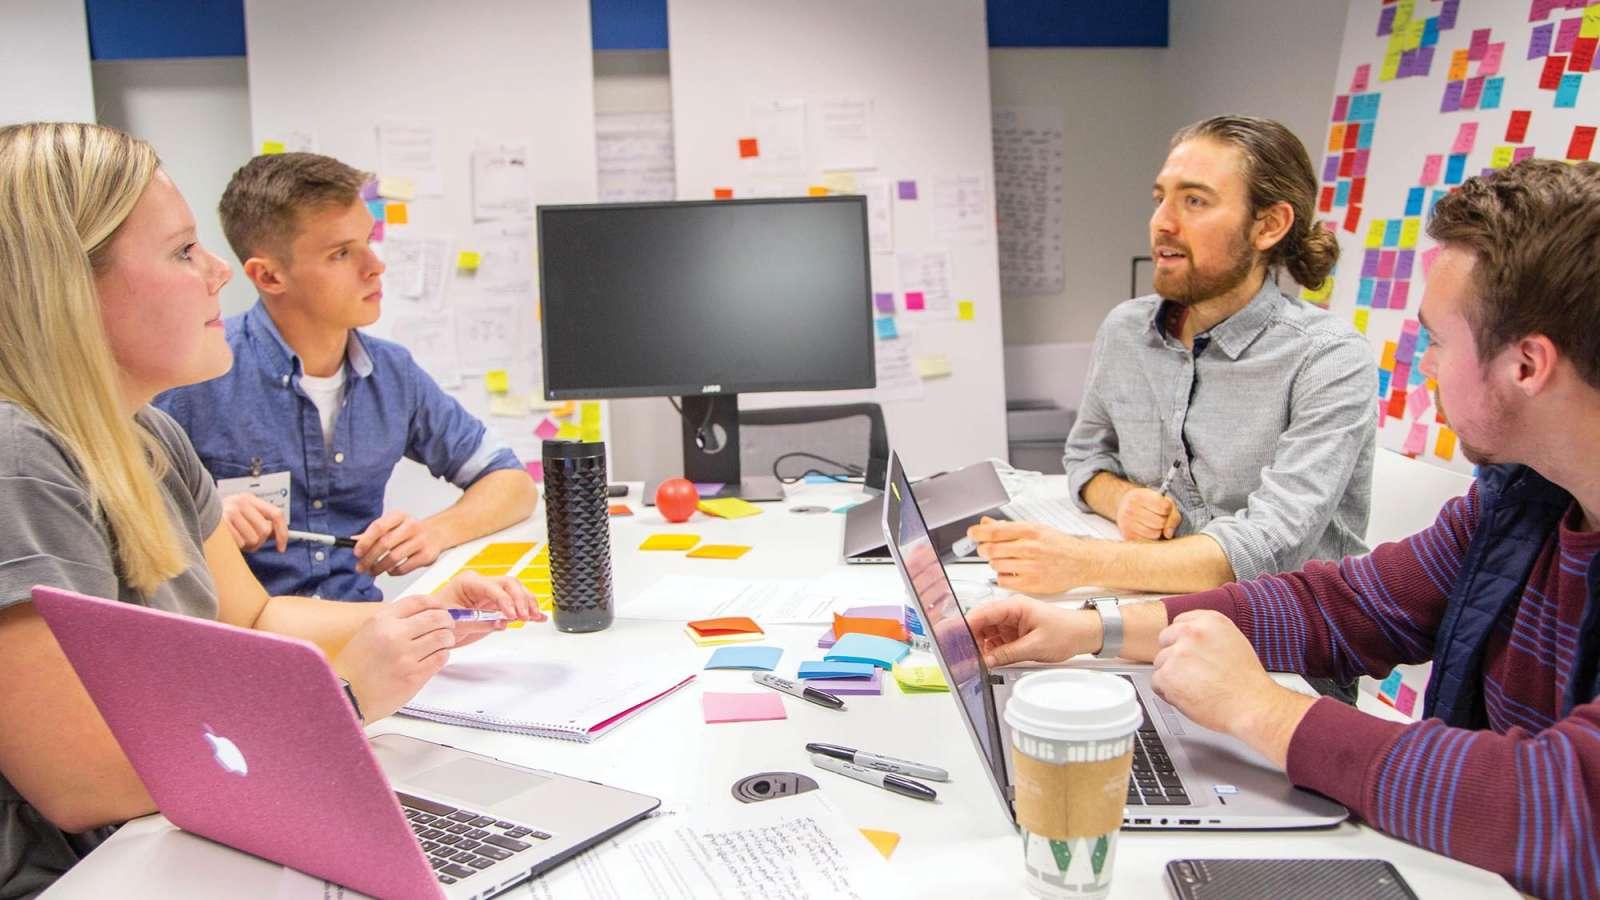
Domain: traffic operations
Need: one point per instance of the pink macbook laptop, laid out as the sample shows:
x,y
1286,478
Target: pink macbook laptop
x,y
247,739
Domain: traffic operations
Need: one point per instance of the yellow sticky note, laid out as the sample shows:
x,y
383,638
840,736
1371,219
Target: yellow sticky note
x,y
1320,295
936,366
1375,232
510,406
1361,320
395,214
964,310
1390,348
1391,64
729,507
1501,157
817,190
272,148
394,187
497,381
1591,22
718,551
589,412
1409,230
918,679
569,433
504,552
885,841
492,571
589,433
469,260
839,182
670,542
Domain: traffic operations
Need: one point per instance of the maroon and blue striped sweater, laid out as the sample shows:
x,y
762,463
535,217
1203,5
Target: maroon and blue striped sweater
x,y
1522,798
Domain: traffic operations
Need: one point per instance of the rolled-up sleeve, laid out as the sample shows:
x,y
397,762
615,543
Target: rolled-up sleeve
x,y
1331,419
1092,443
450,441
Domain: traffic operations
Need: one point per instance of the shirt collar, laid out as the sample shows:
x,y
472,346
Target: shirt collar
x,y
1234,334
283,356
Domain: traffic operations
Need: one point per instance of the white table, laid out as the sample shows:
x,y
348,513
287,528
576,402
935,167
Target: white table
x,y
962,846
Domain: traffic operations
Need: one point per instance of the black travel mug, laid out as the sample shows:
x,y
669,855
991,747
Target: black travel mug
x,y
579,526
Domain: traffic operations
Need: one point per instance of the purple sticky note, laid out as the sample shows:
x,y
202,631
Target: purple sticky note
x,y
1369,264
546,429
908,190
708,488
1403,264
1447,14
852,687
1452,96
1424,63
1568,33
884,302
1386,22
721,707
369,190
1539,41
1330,168
1380,295
915,300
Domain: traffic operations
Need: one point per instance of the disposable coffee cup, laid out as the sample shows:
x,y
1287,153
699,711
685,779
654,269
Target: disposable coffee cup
x,y
1072,734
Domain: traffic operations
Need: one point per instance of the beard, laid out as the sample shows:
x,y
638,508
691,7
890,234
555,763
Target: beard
x,y
1191,285
1489,432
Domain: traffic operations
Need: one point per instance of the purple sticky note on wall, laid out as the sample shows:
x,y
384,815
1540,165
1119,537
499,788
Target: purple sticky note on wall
x,y
908,190
884,302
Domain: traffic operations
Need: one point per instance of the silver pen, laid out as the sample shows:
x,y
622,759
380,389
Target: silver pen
x,y
1171,474
880,762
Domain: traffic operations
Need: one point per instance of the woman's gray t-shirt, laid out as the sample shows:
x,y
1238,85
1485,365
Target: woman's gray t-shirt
x,y
50,535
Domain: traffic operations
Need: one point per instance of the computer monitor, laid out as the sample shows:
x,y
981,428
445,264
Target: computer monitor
x,y
706,300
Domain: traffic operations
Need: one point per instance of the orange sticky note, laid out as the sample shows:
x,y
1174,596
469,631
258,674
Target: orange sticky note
x,y
885,841
749,147
722,193
726,625
395,213
889,628
718,551
619,509
817,190
670,542
1445,448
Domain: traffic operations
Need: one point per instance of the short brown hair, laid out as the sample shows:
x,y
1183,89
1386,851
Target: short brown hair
x,y
261,206
1535,229
1277,170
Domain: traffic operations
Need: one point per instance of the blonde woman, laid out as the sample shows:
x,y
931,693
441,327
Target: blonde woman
x,y
106,299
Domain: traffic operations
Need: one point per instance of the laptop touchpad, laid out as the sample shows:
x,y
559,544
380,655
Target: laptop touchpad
x,y
476,781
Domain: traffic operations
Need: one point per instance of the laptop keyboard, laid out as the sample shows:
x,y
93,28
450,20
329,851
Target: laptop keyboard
x,y
1154,781
460,842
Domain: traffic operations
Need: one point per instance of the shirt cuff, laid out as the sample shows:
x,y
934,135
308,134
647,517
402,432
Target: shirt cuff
x,y
1337,751
1245,548
1080,473
1219,599
489,458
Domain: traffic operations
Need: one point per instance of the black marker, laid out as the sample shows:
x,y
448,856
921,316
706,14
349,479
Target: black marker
x,y
905,787
316,538
820,698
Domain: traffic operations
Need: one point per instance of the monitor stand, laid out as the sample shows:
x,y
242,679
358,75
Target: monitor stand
x,y
711,452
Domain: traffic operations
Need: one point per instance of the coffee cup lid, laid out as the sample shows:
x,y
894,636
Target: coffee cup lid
x,y
1074,705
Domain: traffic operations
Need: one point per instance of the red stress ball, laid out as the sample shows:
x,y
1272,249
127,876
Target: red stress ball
x,y
677,499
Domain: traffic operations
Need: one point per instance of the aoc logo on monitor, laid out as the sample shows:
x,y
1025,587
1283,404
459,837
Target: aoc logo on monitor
x,y
711,389
226,753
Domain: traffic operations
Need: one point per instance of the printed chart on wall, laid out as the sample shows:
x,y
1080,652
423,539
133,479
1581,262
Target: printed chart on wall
x,y
461,157
1429,94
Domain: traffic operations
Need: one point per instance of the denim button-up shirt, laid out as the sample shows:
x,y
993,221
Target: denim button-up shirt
x,y
257,418
1274,420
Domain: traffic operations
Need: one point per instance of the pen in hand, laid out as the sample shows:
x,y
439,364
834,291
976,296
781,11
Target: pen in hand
x,y
316,538
1166,483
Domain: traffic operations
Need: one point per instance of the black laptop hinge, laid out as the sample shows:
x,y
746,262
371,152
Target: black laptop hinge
x,y
996,679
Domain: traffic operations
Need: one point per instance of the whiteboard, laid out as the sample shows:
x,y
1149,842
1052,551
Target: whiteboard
x,y
1421,107
472,77
857,96
44,62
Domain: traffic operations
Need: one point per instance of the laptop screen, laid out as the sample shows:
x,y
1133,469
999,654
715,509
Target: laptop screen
x,y
919,565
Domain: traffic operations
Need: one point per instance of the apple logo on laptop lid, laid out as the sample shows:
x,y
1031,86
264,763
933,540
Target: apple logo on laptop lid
x,y
226,753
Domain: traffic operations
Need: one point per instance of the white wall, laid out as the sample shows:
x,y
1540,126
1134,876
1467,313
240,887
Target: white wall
x,y
196,112
44,62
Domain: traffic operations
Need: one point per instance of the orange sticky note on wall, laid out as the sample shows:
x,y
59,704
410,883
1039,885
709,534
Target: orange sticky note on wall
x,y
395,213
749,147
722,193
817,190
889,628
1445,447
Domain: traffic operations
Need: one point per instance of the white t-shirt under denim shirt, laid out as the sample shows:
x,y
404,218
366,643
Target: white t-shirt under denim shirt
x,y
51,535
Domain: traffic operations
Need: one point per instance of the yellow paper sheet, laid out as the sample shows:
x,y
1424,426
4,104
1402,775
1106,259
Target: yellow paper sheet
x,y
670,542
718,551
729,507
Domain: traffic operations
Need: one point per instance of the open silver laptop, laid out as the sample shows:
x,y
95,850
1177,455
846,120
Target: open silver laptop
x,y
952,501
245,738
1184,776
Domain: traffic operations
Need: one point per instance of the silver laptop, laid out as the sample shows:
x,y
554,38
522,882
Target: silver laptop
x,y
246,738
1184,776
952,502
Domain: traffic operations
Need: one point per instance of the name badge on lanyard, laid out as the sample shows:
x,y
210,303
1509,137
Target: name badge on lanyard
x,y
272,487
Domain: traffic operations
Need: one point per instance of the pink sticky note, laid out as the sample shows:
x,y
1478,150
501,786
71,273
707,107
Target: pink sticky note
x,y
1417,440
1491,59
546,429
1466,136
719,707
914,300
1406,699
1430,168
1418,401
536,469
1362,76
1399,294
377,232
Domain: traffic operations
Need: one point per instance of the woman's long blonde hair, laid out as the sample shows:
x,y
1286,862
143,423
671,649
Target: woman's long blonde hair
x,y
65,189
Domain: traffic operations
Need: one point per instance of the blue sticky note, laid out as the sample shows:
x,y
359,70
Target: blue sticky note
x,y
835,669
1455,168
1567,94
886,329
1433,199
1414,199
764,658
1492,89
1383,382
1430,32
1364,296
376,208
1364,138
1391,685
868,648
1391,233
1341,193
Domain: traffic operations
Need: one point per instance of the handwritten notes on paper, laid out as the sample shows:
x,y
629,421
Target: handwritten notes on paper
x,y
485,334
416,268
634,151
961,208
1029,187
896,371
928,273
780,127
431,338
500,182
844,134
410,149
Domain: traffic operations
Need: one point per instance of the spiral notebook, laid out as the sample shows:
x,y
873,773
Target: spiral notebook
x,y
502,684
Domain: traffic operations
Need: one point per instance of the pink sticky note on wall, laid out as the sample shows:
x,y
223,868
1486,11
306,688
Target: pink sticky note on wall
x,y
1418,401
1417,440
546,429
536,469
1406,699
915,300
1430,168
719,707
1466,136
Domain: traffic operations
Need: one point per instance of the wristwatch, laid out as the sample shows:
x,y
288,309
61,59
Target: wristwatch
x,y
350,693
1110,626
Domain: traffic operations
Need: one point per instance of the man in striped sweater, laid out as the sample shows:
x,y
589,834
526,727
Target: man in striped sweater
x,y
1502,593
